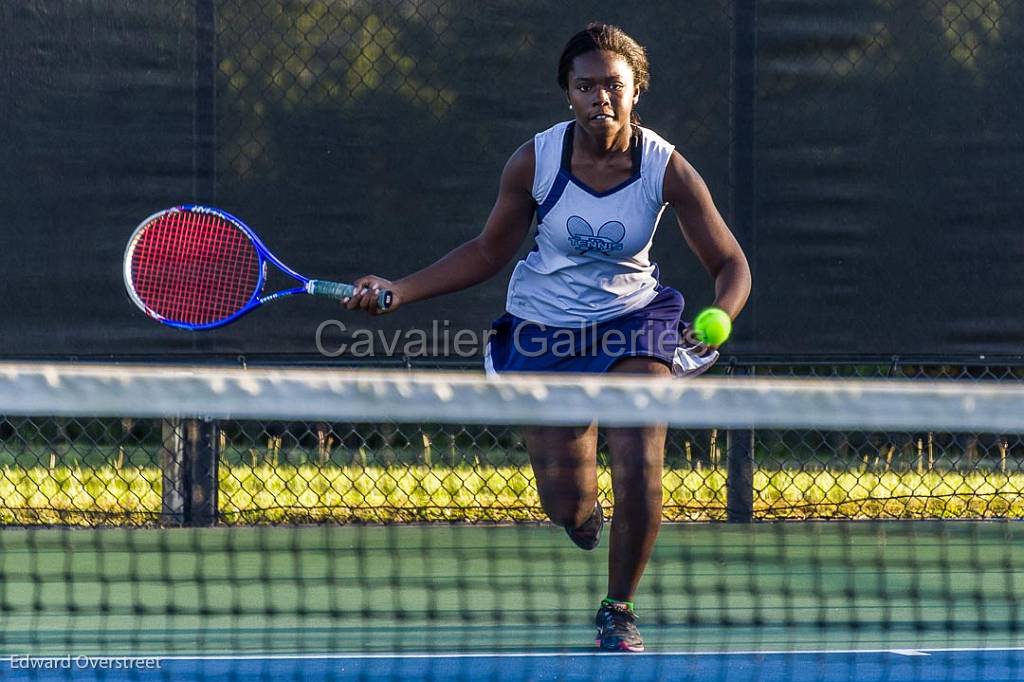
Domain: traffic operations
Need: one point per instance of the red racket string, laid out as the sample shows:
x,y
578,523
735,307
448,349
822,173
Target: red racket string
x,y
194,268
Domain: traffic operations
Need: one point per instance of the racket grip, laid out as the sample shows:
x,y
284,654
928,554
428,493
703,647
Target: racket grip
x,y
322,287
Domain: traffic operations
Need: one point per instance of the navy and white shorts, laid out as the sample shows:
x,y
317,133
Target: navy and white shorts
x,y
654,331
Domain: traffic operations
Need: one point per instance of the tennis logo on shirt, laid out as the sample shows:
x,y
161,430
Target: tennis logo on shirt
x,y
582,238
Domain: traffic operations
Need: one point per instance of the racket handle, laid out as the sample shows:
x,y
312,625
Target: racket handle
x,y
321,287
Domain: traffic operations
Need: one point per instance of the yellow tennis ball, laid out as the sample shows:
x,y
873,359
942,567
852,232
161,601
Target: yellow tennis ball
x,y
712,326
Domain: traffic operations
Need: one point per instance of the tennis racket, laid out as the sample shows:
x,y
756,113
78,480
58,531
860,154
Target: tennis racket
x,y
195,267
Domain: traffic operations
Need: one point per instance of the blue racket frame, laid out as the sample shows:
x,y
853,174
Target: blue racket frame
x,y
334,290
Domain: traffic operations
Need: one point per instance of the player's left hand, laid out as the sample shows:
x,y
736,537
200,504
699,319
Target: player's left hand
x,y
693,357
693,343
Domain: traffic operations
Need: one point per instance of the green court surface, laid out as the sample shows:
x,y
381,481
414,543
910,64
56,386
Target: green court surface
x,y
464,588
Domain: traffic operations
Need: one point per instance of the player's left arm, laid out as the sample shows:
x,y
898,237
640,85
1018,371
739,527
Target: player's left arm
x,y
707,234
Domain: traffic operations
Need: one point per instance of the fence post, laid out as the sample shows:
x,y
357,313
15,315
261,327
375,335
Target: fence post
x,y
190,467
739,456
173,479
201,436
742,146
204,85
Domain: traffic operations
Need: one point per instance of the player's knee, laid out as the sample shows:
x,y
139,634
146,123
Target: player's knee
x,y
570,511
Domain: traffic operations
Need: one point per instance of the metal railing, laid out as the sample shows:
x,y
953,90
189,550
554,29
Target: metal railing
x,y
103,471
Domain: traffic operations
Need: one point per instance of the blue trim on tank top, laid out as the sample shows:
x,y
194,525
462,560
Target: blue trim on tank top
x,y
565,174
557,189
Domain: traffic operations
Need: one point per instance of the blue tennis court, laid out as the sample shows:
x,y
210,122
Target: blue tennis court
x,y
962,665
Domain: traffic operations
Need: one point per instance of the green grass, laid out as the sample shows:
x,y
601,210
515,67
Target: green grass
x,y
306,493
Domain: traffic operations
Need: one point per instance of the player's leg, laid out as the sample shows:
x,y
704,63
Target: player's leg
x,y
637,455
564,460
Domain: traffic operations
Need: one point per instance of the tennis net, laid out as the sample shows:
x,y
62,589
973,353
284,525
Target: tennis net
x,y
202,523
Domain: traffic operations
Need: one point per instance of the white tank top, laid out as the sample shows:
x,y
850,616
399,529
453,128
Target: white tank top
x,y
591,261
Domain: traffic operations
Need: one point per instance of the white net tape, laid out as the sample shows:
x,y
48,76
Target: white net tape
x,y
402,396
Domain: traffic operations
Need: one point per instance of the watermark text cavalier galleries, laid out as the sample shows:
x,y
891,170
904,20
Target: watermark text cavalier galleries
x,y
84,663
530,340
412,343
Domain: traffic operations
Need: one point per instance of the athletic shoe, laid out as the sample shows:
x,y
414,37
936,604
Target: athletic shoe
x,y
616,628
588,535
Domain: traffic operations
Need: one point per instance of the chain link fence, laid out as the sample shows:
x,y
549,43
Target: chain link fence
x,y
818,475
141,472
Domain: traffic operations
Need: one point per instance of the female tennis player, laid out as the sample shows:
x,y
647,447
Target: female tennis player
x,y
597,185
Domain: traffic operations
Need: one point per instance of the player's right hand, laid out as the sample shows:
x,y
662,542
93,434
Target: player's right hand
x,y
368,288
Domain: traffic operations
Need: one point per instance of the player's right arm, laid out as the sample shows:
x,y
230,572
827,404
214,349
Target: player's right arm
x,y
477,260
